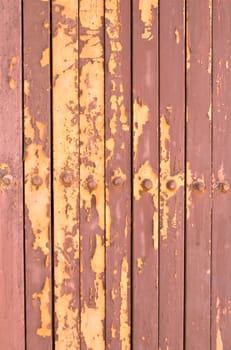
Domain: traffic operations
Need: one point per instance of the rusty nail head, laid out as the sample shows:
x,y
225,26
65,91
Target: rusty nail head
x,y
37,180
199,186
171,185
146,184
7,179
117,181
224,187
66,178
91,184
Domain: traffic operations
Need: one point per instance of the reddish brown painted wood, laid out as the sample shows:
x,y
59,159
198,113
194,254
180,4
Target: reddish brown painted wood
x,y
92,174
198,228
172,123
145,168
221,240
37,173
11,197
118,174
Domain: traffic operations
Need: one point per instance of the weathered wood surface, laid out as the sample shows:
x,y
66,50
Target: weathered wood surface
x,y
172,177
66,173
114,213
221,239
198,170
37,165
11,178
118,173
145,175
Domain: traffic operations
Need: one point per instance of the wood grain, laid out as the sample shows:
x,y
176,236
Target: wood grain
x,y
145,175
221,241
37,143
172,138
92,173
118,173
11,179
66,173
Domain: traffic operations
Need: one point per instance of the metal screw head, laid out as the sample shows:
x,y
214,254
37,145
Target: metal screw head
x,y
199,186
66,178
7,180
37,180
91,184
171,185
224,187
146,184
117,181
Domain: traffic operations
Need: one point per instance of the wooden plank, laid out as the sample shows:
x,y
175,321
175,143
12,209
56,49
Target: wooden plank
x,y
198,227
66,173
145,175
11,196
118,173
221,240
172,124
37,173
92,198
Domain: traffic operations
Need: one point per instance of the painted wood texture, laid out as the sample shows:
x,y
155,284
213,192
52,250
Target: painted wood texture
x,y
145,175
11,178
115,209
198,170
37,172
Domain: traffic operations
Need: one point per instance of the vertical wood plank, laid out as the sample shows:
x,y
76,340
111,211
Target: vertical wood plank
x,y
221,240
92,198
172,124
146,175
198,228
118,173
37,173
11,196
66,173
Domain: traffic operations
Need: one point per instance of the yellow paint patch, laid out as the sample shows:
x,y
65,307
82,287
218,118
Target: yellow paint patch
x,y
26,88
44,299
11,81
45,57
141,117
219,342
140,265
177,36
146,8
124,324
92,318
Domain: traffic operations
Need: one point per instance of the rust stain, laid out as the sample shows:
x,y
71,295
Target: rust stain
x,y
44,299
146,8
66,131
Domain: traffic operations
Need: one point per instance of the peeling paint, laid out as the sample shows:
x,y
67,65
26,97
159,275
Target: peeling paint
x,y
165,171
177,36
141,117
124,322
219,342
146,172
45,59
146,8
44,299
